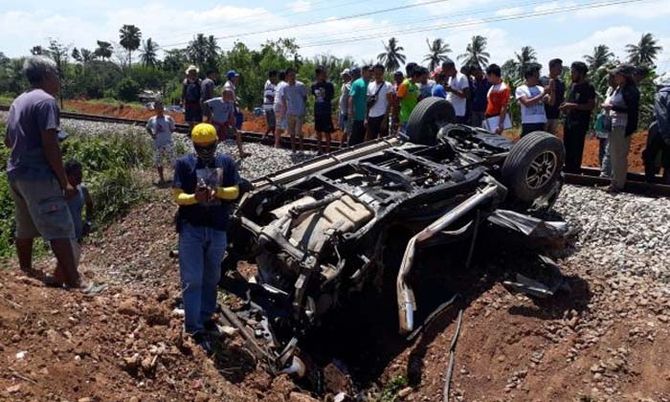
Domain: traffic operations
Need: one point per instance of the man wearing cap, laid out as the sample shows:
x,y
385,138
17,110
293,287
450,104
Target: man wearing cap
x,y
205,183
231,84
190,97
344,104
623,108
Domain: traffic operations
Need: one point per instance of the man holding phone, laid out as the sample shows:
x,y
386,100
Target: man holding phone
x,y
205,184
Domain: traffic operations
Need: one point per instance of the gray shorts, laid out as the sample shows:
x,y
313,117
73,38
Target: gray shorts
x,y
41,209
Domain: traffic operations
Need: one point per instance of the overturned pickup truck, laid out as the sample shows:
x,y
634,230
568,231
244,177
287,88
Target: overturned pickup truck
x,y
318,231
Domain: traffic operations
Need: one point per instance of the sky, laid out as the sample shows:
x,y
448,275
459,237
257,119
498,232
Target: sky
x,y
567,29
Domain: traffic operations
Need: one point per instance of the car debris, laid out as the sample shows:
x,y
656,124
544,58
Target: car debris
x,y
326,229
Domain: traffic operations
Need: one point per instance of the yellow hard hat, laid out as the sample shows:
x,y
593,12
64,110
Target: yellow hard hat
x,y
203,133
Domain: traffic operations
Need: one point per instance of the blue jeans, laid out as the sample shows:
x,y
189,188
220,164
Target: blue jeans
x,y
201,250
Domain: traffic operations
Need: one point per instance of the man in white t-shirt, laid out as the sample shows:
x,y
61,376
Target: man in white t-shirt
x,y
280,112
530,96
160,127
380,101
268,102
458,90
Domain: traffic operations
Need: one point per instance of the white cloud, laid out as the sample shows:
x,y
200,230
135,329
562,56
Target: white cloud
x,y
615,37
300,6
506,12
646,10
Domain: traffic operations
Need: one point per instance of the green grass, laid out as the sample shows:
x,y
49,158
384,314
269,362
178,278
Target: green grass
x,y
391,389
5,101
112,164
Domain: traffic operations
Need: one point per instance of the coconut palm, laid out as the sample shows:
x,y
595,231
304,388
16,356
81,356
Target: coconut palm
x,y
391,58
645,51
600,57
148,53
131,37
104,50
203,50
86,55
37,50
437,52
76,55
475,53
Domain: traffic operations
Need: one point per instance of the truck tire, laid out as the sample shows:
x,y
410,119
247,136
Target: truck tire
x,y
533,166
427,118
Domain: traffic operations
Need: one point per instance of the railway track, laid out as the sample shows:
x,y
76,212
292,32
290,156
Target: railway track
x,y
589,176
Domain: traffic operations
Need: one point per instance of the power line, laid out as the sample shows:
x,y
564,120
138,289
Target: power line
x,y
263,14
471,23
421,21
348,17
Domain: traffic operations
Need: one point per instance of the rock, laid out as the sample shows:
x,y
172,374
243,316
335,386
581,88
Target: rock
x,y
299,397
85,399
336,378
21,355
405,392
13,389
131,363
201,397
597,368
156,315
127,307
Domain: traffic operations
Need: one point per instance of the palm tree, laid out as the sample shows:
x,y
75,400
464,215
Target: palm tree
x,y
148,54
104,50
202,50
645,52
391,58
437,52
130,36
86,55
475,54
76,55
601,56
526,57
37,50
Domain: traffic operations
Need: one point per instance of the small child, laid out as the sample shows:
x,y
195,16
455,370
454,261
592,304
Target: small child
x,y
221,113
76,204
160,128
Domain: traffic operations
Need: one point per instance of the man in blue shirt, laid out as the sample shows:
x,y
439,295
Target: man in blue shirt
x,y
204,185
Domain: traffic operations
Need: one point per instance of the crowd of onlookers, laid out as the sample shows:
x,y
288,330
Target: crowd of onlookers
x,y
371,107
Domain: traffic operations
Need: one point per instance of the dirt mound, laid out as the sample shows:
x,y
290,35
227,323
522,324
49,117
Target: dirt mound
x,y
607,340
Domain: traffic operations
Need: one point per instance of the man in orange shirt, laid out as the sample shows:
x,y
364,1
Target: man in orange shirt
x,y
497,99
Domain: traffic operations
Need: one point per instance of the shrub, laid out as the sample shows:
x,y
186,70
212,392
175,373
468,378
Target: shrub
x,y
110,163
127,90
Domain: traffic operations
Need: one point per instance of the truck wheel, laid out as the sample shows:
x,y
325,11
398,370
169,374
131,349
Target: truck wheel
x,y
533,166
427,118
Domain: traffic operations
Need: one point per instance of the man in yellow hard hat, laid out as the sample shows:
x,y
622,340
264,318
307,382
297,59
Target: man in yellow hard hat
x,y
204,185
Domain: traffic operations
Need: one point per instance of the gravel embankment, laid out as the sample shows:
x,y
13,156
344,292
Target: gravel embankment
x,y
620,233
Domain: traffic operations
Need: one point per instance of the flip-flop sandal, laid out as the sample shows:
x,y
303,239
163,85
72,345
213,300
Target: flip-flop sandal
x,y
94,289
